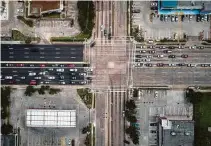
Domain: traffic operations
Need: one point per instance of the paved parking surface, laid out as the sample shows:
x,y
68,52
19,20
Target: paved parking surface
x,y
66,99
165,103
159,29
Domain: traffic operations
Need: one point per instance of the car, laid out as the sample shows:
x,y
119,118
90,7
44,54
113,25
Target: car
x,y
139,64
51,77
20,65
167,51
72,82
69,141
160,55
153,131
137,60
82,82
60,70
152,51
149,56
192,47
165,18
176,18
182,17
191,65
42,65
200,47
162,47
73,70
62,82
73,142
184,56
82,74
172,18
198,18
61,65
47,82
9,64
23,77
139,56
148,64
102,27
33,82
151,47
161,17
1,76
61,77
205,65
171,56
71,65
181,47
172,64
190,17
160,64
37,78
143,51
20,10
181,64
153,4
32,74
153,124
8,77
171,47
42,73
31,65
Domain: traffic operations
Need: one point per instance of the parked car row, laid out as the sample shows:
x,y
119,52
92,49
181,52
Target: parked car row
x,y
167,47
176,18
171,65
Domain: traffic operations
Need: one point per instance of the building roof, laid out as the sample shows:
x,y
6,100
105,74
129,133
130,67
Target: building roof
x,y
45,5
50,118
181,133
169,4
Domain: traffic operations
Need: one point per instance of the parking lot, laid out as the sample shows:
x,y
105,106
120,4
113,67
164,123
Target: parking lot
x,y
161,26
67,99
156,102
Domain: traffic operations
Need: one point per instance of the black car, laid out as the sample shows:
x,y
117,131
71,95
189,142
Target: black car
x,y
181,64
184,56
153,131
153,124
171,47
171,56
148,65
167,51
182,17
162,47
160,64
161,17
200,47
204,65
198,18
139,56
152,51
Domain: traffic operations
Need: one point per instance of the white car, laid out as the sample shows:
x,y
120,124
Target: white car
x,y
73,69
82,74
51,77
156,94
8,77
63,83
23,77
32,74
160,56
20,10
46,82
37,78
60,70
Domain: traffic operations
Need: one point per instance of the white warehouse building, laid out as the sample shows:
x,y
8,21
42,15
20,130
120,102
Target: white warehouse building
x,y
50,118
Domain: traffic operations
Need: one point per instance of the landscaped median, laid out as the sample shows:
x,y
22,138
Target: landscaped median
x,y
90,135
28,22
78,38
18,36
87,97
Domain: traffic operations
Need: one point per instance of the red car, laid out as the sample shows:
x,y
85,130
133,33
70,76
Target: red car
x,y
33,82
42,65
71,65
20,65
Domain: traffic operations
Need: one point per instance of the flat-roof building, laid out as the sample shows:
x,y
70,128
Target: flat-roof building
x,y
50,118
37,8
191,7
175,132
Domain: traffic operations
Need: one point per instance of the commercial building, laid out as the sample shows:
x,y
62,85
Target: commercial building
x,y
191,7
50,118
175,132
37,8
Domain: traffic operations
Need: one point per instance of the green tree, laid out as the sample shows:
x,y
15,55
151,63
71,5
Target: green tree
x,y
29,91
28,40
42,90
6,129
54,91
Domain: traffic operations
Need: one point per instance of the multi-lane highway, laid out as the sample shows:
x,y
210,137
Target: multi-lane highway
x,y
164,65
48,53
35,74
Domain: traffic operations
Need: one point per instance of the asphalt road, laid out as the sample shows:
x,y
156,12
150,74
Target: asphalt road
x,y
50,53
44,75
170,73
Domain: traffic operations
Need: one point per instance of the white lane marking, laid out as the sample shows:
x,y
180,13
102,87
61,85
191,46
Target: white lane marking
x,y
42,52
26,56
72,57
57,57
57,48
57,52
72,48
26,48
10,48
11,57
11,53
42,48
42,57
26,52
